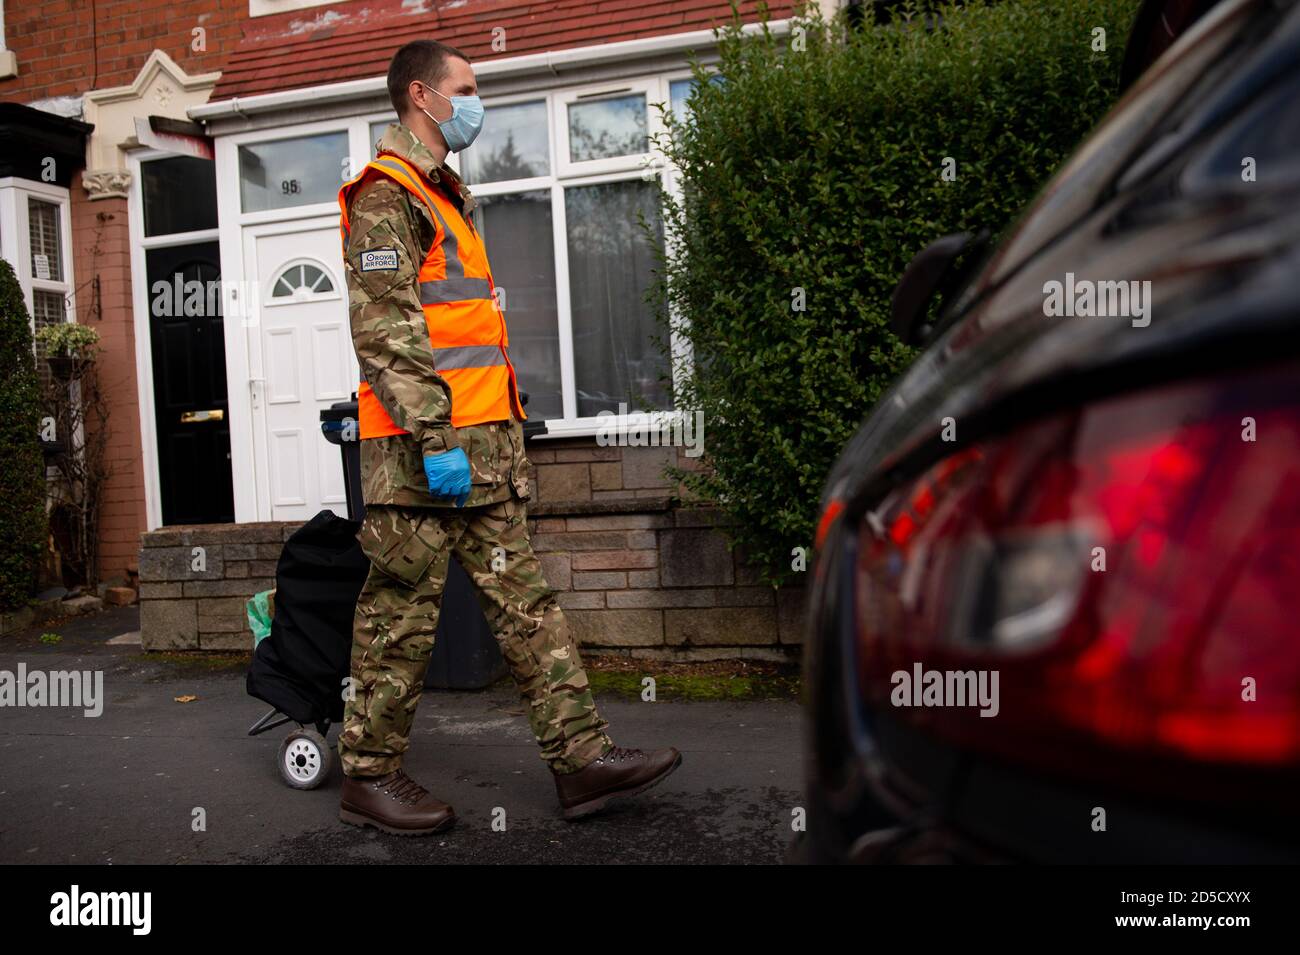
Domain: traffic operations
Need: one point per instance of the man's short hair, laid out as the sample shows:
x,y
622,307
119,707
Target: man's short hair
x,y
423,60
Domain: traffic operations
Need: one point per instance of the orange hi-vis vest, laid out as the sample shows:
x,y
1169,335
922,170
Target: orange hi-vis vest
x,y
466,328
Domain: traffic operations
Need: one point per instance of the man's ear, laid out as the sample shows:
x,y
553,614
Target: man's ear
x,y
413,89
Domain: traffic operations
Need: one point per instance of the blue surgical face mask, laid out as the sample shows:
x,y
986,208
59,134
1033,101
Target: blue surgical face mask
x,y
466,120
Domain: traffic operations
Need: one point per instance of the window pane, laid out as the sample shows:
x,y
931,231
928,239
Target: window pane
x,y
43,230
303,279
180,195
610,263
680,90
517,231
377,131
48,308
512,145
292,172
608,127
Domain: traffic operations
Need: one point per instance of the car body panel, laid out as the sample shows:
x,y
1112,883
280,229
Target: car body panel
x,y
1154,195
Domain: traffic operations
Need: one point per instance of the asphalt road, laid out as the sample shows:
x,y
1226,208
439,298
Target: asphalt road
x,y
123,787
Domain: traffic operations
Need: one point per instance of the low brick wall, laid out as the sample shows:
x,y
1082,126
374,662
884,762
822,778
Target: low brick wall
x,y
187,607
577,470
637,576
637,571
657,581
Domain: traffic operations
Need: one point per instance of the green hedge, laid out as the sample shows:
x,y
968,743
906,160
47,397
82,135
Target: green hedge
x,y
22,470
820,169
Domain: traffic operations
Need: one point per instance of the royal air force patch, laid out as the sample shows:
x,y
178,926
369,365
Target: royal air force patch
x,y
379,260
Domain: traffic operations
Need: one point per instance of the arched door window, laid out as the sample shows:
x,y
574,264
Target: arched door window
x,y
303,281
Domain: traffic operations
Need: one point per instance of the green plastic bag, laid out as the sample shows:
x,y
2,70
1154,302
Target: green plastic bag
x,y
259,616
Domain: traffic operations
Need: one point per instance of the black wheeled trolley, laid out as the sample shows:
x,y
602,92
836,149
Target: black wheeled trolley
x,y
301,669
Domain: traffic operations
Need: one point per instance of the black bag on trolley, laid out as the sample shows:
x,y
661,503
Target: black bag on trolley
x,y
300,668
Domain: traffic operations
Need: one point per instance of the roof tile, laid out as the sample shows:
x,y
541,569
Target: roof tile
x,y
355,40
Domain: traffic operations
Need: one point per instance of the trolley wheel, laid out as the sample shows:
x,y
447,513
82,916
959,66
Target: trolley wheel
x,y
304,759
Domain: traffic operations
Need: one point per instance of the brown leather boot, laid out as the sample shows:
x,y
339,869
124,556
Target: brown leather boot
x,y
395,803
618,773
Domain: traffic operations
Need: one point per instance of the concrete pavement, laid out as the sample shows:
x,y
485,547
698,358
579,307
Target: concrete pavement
x,y
123,787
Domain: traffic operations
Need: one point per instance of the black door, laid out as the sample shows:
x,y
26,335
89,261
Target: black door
x,y
191,412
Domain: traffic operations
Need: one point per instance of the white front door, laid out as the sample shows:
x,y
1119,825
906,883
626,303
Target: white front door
x,y
301,361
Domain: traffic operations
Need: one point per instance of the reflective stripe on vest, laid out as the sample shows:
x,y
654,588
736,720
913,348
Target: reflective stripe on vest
x,y
453,290
467,331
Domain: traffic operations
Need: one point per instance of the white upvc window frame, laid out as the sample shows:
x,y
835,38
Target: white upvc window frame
x,y
140,297
245,376
15,246
8,60
231,146
15,241
565,174
564,167
682,355
233,222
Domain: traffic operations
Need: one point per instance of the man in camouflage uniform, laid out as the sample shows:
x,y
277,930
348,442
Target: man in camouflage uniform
x,y
410,535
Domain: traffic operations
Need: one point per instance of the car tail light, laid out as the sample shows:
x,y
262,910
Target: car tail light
x,y
1129,569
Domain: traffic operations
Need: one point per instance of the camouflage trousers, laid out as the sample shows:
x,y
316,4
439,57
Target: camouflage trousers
x,y
397,617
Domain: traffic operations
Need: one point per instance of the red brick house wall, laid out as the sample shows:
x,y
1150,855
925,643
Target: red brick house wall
x,y
69,47
100,249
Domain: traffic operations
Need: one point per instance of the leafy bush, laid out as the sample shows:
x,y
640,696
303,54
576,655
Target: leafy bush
x,y
22,472
810,177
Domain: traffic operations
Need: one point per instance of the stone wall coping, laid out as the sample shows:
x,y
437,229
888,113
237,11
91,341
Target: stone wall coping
x,y
175,534
630,505
686,515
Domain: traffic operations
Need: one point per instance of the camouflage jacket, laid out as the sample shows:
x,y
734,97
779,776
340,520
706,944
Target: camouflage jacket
x,y
390,336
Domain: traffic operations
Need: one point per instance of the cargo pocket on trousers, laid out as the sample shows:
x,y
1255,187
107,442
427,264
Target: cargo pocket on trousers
x,y
522,472
409,558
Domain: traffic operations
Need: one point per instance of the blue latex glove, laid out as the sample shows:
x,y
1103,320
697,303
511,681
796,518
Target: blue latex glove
x,y
448,474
